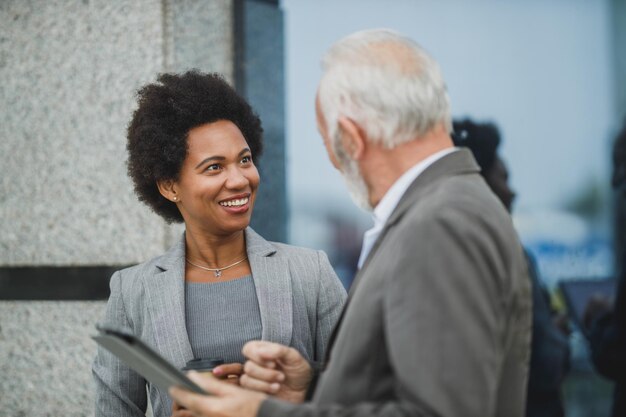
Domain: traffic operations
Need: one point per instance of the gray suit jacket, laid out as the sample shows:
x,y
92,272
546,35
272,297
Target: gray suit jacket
x,y
438,320
300,300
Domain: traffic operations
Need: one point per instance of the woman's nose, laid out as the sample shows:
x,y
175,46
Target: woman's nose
x,y
236,179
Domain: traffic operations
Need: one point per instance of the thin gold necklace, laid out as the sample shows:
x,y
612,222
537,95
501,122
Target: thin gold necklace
x,y
216,271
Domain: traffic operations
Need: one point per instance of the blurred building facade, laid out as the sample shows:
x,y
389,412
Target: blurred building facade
x,y
552,75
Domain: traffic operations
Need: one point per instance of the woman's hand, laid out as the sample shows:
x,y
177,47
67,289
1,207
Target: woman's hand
x,y
229,372
180,411
226,400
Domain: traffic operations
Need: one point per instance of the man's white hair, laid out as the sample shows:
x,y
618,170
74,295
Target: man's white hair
x,y
387,84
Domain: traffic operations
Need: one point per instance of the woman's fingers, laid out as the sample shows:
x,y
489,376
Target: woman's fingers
x,y
227,369
232,379
182,413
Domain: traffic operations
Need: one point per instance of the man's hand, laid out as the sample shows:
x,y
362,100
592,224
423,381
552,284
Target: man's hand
x,y
276,369
227,400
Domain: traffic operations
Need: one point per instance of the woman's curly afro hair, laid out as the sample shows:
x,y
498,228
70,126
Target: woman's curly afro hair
x,y
167,111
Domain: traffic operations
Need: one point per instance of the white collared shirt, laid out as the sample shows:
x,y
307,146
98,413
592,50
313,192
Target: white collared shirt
x,y
392,197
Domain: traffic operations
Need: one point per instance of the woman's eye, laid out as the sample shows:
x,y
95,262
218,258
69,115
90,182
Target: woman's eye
x,y
246,159
214,167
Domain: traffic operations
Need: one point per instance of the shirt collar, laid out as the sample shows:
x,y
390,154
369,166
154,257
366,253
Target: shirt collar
x,y
392,197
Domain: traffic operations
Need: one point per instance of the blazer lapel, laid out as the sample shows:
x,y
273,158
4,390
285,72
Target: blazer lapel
x,y
165,295
456,163
273,288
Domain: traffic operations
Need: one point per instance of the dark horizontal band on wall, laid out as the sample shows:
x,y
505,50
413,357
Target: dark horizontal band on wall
x,y
56,282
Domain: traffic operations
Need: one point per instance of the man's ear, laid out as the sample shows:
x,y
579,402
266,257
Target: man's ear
x,y
353,139
167,188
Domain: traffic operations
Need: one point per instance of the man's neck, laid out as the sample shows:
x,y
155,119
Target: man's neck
x,y
384,167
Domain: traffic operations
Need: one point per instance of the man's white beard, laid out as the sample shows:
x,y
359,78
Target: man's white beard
x,y
355,183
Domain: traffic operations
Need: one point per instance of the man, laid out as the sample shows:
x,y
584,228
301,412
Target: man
x,y
437,322
550,353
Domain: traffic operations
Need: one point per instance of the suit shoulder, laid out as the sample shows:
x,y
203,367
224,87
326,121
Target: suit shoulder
x,y
286,250
462,207
132,274
305,261
464,195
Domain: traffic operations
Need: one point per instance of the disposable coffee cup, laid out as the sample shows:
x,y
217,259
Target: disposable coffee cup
x,y
204,366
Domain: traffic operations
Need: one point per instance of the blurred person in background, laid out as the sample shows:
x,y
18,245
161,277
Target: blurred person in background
x,y
550,352
347,243
606,321
192,144
437,322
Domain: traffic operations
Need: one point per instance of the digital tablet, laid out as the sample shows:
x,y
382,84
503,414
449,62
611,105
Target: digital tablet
x,y
141,358
578,292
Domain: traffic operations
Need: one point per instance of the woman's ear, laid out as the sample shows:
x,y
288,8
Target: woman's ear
x,y
167,188
353,138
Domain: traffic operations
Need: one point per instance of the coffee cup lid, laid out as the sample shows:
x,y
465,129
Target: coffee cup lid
x,y
200,364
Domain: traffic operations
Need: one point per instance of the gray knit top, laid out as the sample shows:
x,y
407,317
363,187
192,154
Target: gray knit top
x,y
221,317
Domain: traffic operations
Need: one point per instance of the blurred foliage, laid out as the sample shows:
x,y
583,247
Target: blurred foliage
x,y
591,200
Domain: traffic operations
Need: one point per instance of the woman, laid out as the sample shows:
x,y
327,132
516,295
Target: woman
x,y
192,144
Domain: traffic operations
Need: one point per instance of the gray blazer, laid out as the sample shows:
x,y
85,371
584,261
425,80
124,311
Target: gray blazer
x,y
438,320
300,299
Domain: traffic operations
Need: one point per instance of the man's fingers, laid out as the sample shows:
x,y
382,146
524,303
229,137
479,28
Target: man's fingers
x,y
261,351
255,371
264,352
258,385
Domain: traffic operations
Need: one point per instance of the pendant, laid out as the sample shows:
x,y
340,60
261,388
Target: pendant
x,y
218,273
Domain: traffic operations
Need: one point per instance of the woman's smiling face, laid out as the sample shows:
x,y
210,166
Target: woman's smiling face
x,y
217,185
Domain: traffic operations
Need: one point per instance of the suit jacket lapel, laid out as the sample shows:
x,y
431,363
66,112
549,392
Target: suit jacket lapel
x,y
455,163
165,295
273,288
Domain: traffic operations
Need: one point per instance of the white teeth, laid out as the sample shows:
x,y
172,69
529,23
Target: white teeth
x,y
234,203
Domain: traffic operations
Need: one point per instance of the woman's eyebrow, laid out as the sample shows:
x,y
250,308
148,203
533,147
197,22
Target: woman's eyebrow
x,y
220,158
210,158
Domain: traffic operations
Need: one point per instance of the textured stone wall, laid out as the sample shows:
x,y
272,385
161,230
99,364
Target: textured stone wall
x,y
67,79
199,34
45,358
68,73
